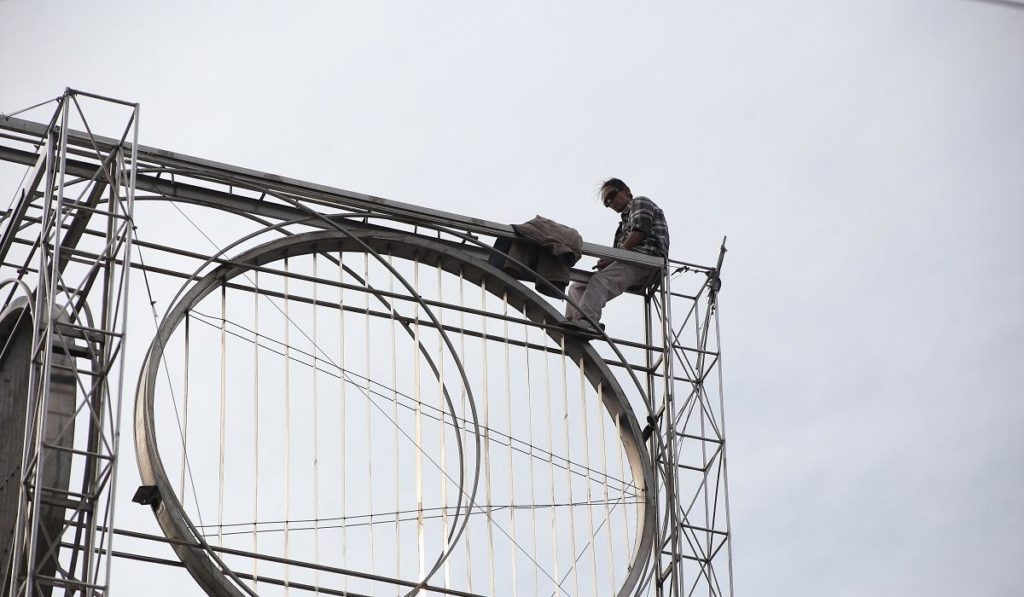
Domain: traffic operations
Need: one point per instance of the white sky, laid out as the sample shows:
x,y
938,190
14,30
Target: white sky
x,y
864,158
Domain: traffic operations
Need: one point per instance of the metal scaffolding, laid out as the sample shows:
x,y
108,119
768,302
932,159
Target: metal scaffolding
x,y
392,413
75,306
689,449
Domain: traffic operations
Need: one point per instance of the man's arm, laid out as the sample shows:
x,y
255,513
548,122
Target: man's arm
x,y
641,218
633,239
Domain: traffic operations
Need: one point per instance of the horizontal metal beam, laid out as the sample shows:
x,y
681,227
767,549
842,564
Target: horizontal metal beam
x,y
205,197
290,562
327,195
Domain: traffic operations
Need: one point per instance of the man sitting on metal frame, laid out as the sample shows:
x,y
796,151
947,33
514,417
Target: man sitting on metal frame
x,y
642,228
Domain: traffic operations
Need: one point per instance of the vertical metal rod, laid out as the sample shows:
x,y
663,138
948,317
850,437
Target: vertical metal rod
x,y
98,398
396,428
511,471
184,432
46,361
342,379
656,448
662,494
627,543
725,470
530,459
100,404
316,430
673,481
607,507
100,394
590,481
568,468
487,443
125,282
420,538
256,426
707,519
462,413
549,405
704,412
223,410
42,352
441,407
369,409
287,427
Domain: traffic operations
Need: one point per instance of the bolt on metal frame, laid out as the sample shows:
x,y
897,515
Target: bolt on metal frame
x,y
79,320
691,553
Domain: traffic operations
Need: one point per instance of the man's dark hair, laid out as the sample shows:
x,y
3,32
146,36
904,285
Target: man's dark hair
x,y
617,184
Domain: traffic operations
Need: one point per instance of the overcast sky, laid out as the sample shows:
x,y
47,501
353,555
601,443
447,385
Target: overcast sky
x,y
865,159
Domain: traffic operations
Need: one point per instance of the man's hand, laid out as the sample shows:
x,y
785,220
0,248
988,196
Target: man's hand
x,y
634,239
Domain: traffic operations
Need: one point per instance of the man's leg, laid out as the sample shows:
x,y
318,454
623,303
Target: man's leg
x,y
608,284
575,292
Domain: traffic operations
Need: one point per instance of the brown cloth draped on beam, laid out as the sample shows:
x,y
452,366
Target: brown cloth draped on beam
x,y
544,246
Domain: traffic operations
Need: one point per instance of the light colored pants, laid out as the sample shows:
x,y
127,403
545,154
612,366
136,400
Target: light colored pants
x,y
605,285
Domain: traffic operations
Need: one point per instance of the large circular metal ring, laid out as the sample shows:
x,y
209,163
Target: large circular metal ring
x,y
170,513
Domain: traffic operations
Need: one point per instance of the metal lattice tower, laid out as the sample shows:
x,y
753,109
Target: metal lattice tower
x,y
74,300
344,394
694,553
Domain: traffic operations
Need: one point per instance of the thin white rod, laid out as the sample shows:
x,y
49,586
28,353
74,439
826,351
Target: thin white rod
x,y
487,443
223,409
441,406
394,417
530,438
421,539
255,426
511,472
287,428
568,468
549,404
184,432
316,433
369,421
627,542
590,481
344,428
604,485
463,395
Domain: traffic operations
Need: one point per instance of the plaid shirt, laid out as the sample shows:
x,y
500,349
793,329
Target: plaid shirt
x,y
643,215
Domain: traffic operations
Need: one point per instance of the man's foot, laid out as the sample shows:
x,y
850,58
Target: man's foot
x,y
583,327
